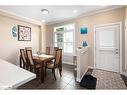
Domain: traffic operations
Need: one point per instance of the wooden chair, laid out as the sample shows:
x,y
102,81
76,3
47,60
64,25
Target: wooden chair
x,y
56,64
23,60
55,48
32,63
28,48
48,50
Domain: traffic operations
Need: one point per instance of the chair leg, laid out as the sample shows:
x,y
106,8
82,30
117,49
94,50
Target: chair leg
x,y
30,69
20,62
45,71
27,68
60,71
42,75
37,71
53,70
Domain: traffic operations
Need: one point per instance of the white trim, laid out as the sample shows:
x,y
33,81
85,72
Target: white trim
x,y
19,17
84,73
79,79
95,26
65,62
91,67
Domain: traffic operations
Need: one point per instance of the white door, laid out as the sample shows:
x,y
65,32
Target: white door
x,y
107,47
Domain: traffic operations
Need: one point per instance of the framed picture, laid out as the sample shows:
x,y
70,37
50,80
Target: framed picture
x,y
24,33
83,30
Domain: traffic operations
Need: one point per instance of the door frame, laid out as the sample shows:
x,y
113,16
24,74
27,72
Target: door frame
x,y
120,42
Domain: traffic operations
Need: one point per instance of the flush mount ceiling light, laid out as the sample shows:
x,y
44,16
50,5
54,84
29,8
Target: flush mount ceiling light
x,y
75,11
43,20
45,11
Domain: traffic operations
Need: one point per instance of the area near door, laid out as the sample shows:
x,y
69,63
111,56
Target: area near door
x,y
107,47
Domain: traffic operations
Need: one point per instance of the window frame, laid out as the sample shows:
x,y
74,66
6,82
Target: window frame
x,y
71,30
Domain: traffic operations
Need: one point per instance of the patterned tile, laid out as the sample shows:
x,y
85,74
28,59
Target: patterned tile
x,y
108,80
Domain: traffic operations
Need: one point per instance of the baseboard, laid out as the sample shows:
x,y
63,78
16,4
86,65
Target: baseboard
x,y
91,67
79,79
65,62
124,73
84,73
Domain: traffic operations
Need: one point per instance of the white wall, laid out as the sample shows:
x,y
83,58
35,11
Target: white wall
x,y
9,45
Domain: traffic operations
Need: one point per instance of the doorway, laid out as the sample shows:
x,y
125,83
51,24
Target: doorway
x,y
108,47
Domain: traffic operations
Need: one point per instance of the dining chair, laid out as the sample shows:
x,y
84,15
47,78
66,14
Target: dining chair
x,y
28,48
32,63
23,60
48,50
56,64
55,48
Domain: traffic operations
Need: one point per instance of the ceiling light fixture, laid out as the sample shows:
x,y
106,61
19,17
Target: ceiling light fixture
x,y
43,20
45,11
75,11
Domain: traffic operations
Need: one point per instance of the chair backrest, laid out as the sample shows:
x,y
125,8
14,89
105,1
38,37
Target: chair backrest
x,y
48,50
58,56
55,48
29,57
23,55
28,48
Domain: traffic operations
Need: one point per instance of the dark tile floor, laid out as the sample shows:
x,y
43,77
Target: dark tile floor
x,y
67,81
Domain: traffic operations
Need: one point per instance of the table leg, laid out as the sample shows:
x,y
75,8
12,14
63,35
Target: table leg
x,y
42,75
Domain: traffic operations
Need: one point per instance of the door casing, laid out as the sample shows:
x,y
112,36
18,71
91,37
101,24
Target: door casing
x,y
120,38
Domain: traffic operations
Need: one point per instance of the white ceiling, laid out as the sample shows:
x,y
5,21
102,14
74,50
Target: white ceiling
x,y
56,13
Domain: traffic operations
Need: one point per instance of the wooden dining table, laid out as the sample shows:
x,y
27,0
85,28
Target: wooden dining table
x,y
42,59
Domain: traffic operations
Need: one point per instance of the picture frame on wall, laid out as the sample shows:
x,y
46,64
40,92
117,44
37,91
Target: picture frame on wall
x,y
83,30
24,33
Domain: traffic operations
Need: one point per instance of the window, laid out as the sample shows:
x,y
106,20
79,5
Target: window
x,y
64,38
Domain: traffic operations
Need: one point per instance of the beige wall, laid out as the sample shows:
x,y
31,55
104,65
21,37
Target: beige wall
x,y
47,37
126,40
116,15
111,16
9,46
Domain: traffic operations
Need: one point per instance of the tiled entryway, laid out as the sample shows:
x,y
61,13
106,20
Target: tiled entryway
x,y
108,80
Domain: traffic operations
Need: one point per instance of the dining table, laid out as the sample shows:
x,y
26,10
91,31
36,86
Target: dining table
x,y
42,59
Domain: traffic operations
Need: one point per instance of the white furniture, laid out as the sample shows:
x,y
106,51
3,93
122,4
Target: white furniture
x,y
12,76
82,61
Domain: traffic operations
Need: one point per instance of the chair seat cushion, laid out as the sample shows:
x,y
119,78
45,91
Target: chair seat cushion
x,y
38,65
50,65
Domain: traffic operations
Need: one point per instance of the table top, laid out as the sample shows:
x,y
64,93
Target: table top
x,y
43,57
12,76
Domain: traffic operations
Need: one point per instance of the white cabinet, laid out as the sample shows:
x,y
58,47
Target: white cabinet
x,y
82,61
